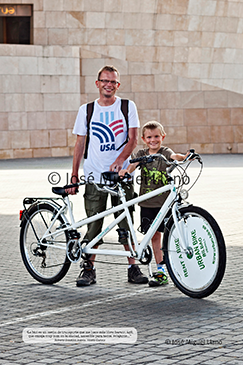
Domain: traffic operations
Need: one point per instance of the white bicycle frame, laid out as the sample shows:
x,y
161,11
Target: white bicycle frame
x,y
137,249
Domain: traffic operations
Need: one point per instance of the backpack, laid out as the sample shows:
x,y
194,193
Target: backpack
x,y
89,113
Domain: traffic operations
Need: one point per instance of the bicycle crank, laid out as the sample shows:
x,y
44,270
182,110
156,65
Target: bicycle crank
x,y
146,256
74,250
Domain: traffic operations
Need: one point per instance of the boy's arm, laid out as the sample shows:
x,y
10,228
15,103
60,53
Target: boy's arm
x,y
179,156
130,168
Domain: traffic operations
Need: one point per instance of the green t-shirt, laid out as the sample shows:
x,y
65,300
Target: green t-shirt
x,y
153,176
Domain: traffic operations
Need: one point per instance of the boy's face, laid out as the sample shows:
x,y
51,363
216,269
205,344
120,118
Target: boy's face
x,y
153,139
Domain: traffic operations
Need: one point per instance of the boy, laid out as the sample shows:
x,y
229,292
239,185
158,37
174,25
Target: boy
x,y
153,176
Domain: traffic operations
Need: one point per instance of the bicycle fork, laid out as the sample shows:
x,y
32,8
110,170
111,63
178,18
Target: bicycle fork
x,y
180,226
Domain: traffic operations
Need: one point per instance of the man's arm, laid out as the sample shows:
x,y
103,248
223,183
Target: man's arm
x,y
129,147
77,157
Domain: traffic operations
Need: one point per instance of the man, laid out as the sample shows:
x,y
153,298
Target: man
x,y
108,149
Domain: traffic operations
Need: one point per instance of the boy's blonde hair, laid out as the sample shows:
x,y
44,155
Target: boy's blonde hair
x,y
153,125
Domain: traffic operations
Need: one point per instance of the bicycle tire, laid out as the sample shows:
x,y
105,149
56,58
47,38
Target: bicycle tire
x,y
197,275
47,265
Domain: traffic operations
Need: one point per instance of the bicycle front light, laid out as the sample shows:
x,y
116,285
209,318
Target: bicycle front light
x,y
184,194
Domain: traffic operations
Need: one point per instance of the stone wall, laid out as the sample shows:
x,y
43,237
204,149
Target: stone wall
x,y
40,94
194,114
180,61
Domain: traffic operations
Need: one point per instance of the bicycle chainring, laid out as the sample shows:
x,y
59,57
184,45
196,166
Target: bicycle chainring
x,y
146,256
74,250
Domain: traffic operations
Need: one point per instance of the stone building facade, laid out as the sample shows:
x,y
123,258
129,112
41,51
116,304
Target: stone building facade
x,y
181,61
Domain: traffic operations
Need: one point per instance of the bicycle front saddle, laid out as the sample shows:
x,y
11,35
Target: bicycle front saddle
x,y
111,176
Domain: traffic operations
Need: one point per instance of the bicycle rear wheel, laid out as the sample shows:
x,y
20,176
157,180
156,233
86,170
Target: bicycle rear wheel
x,y
45,263
198,273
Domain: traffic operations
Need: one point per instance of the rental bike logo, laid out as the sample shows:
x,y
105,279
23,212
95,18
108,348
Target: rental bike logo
x,y
200,250
198,245
182,262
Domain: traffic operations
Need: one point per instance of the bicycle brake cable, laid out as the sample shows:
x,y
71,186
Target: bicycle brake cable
x,y
199,174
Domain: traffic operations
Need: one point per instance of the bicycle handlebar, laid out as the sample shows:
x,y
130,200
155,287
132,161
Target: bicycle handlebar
x,y
114,177
148,158
173,164
193,156
111,176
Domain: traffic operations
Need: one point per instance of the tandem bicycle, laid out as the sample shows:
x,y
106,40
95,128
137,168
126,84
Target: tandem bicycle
x,y
193,244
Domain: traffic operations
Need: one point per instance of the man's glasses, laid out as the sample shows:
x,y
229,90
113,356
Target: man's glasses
x,y
113,82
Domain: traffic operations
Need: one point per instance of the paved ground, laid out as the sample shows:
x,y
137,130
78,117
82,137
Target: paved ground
x,y
171,328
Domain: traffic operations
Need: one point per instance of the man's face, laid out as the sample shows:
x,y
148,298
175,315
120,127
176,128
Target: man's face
x,y
108,84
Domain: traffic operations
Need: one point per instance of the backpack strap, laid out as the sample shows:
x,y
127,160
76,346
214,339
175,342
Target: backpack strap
x,y
125,109
89,113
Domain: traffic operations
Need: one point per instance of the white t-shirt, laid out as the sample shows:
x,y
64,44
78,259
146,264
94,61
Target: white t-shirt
x,y
108,131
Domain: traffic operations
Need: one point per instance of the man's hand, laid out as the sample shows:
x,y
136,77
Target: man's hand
x,y
129,147
117,165
74,190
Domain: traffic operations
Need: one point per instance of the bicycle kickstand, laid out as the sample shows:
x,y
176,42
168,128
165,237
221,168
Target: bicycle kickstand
x,y
150,270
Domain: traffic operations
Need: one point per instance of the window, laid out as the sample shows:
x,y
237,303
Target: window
x,y
16,24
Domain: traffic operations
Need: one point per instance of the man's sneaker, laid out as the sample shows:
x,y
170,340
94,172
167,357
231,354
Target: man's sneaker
x,y
87,275
135,276
159,279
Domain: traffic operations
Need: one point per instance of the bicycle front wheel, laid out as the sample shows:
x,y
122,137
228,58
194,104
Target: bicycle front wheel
x,y
47,262
199,272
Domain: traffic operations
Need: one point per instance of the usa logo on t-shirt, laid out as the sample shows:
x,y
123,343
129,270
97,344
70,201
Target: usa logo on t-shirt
x,y
107,134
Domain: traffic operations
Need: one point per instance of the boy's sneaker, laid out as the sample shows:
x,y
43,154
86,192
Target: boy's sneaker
x,y
159,279
87,275
135,276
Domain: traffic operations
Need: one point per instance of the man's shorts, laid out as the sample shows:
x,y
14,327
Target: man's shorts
x,y
95,202
147,217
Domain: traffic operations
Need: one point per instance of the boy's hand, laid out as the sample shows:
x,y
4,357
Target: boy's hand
x,y
123,172
192,154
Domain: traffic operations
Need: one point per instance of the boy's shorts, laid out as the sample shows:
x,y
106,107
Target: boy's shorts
x,y
147,217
